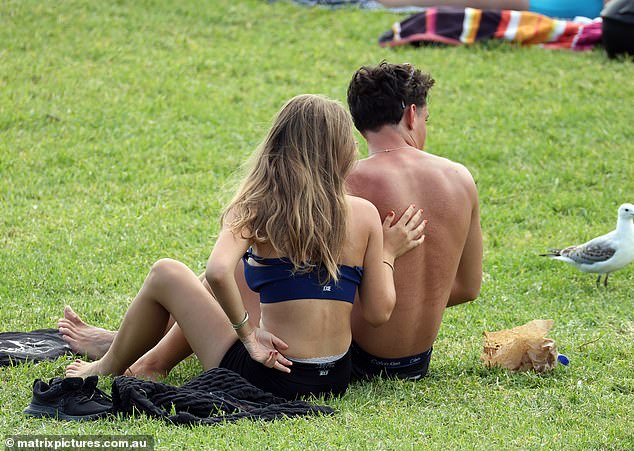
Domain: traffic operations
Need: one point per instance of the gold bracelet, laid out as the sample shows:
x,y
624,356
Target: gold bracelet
x,y
389,264
241,323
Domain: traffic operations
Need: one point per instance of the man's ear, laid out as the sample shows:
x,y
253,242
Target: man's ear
x,y
410,114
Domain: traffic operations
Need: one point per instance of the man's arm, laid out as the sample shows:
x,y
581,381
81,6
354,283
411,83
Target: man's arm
x,y
466,286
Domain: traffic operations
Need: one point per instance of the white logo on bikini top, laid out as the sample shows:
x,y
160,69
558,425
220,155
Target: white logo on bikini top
x,y
327,288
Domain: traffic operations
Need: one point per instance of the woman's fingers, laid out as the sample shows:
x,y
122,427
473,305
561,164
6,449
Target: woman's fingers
x,y
419,229
416,219
414,228
279,344
415,224
407,215
278,361
283,360
282,368
411,218
418,241
387,222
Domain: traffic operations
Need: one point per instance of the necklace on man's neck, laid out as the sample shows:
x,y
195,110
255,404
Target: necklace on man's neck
x,y
396,148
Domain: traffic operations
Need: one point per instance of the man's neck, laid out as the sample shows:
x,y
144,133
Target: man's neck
x,y
388,139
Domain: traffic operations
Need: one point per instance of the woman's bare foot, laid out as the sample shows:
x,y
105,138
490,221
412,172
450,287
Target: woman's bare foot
x,y
83,338
79,368
143,371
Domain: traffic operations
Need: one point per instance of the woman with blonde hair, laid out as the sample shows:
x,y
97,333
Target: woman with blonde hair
x,y
307,248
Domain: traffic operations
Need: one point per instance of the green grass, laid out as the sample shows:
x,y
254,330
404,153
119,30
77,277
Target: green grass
x,y
123,126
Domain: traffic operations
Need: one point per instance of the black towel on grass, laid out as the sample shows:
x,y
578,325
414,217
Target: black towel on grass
x,y
217,395
35,346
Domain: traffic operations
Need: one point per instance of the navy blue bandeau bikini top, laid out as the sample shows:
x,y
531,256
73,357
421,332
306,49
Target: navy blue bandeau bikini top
x,y
273,278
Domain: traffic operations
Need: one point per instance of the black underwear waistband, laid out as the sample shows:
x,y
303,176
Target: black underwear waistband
x,y
400,362
340,362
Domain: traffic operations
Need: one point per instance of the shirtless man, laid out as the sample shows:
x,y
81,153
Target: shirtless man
x,y
389,107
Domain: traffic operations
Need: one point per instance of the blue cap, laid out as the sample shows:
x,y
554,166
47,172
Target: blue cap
x,y
563,359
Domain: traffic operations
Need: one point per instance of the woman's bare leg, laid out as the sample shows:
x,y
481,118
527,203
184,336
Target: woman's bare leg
x,y
173,288
517,5
159,361
94,342
86,339
173,347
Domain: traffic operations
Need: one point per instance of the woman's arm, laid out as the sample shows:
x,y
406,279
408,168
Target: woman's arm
x,y
220,275
262,346
377,294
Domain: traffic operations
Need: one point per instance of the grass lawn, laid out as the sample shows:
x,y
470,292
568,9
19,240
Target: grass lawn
x,y
123,126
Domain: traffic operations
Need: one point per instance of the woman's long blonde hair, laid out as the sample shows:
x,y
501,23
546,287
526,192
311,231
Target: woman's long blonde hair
x,y
294,195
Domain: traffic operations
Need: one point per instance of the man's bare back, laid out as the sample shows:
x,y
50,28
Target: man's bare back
x,y
446,270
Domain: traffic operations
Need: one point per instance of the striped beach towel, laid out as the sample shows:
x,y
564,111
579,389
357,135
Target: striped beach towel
x,y
459,26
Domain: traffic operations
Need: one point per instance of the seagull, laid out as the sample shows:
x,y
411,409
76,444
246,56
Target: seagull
x,y
606,253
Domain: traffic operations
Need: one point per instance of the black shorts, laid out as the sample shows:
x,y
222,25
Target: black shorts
x,y
317,379
367,366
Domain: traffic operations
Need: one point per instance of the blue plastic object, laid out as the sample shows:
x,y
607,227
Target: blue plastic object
x,y
563,359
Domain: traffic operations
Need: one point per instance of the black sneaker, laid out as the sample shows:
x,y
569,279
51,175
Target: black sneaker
x,y
93,393
68,399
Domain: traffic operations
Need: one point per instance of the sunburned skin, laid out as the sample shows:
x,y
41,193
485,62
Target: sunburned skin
x,y
446,270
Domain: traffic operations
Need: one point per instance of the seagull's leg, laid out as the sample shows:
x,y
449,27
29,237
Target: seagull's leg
x,y
605,281
598,280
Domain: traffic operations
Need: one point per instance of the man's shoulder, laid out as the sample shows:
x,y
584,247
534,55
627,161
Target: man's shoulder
x,y
375,169
459,170
445,167
443,162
